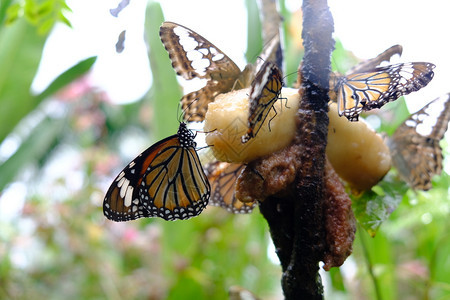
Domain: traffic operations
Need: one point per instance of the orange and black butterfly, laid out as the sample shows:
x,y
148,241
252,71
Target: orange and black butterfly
x,y
166,180
193,56
372,87
265,90
414,146
223,176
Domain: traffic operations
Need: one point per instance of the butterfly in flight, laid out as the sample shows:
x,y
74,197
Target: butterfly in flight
x,y
265,90
193,56
166,180
372,87
414,146
223,176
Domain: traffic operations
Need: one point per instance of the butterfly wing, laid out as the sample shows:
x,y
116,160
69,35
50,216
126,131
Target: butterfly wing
x,y
193,56
369,64
415,149
271,52
122,201
222,177
165,181
264,91
373,89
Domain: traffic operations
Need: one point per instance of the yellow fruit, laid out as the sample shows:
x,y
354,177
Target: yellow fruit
x,y
226,122
357,153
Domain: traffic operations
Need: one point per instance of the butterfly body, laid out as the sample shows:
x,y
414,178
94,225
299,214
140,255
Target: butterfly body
x,y
166,181
414,146
264,91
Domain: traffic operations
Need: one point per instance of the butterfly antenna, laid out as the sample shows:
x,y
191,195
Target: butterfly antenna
x,y
270,49
192,115
292,73
180,116
204,147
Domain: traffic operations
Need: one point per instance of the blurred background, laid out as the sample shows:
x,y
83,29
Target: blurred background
x,y
78,102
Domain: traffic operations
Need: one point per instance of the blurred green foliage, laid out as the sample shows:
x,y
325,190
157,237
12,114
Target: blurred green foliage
x,y
43,14
20,54
372,208
41,138
60,245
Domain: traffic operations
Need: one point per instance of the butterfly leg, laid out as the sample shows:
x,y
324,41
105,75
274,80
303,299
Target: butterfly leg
x,y
237,85
276,113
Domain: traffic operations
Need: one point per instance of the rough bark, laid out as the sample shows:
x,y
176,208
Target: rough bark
x,y
295,214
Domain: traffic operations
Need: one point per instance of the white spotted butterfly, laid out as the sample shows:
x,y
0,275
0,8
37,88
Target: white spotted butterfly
x,y
414,146
193,56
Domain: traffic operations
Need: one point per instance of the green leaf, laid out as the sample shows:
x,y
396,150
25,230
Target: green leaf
x,y
37,145
342,60
254,40
373,207
63,19
4,7
41,14
46,25
378,255
31,11
9,13
67,77
45,8
20,53
165,91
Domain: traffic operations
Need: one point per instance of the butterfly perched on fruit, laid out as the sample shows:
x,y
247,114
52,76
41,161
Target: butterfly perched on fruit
x,y
166,180
264,91
414,146
193,56
223,176
367,86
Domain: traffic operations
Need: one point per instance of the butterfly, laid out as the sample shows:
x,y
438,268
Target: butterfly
x,y
223,176
166,181
384,56
193,56
414,146
265,90
367,64
372,87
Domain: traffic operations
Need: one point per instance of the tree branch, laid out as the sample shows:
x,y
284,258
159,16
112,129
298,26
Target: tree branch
x,y
296,219
290,183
